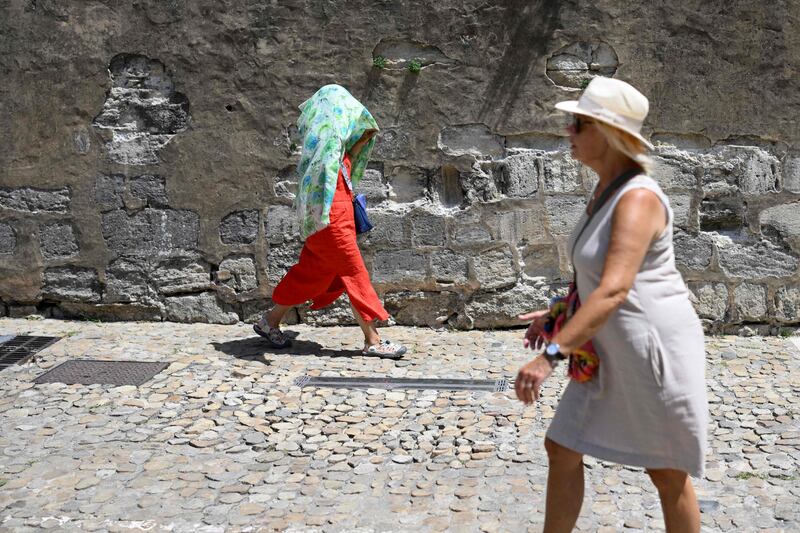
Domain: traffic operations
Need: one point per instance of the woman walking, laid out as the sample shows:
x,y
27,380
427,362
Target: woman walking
x,y
642,400
338,136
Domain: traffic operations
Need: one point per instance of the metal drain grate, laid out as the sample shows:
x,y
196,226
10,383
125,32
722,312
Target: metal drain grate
x,y
15,350
491,385
88,372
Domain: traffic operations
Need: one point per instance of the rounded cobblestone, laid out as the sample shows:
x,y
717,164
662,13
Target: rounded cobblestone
x,y
224,440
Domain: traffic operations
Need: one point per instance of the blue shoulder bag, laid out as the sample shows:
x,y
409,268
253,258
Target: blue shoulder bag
x,y
363,224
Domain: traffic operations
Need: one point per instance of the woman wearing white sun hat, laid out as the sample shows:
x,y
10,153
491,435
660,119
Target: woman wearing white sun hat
x,y
640,399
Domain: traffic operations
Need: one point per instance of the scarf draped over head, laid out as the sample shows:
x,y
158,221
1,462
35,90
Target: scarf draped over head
x,y
330,123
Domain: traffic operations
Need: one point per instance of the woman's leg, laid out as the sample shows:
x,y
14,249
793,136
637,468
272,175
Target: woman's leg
x,y
276,314
564,488
678,500
371,335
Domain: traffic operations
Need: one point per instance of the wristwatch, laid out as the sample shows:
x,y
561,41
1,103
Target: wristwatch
x,y
553,354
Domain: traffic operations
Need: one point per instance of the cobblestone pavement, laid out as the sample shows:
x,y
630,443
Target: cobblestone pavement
x,y
223,441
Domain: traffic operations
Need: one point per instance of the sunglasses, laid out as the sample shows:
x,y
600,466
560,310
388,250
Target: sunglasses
x,y
578,122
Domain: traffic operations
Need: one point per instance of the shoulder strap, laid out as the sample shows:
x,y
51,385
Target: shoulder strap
x,y
346,174
618,182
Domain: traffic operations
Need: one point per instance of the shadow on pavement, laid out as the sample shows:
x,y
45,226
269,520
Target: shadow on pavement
x,y
254,347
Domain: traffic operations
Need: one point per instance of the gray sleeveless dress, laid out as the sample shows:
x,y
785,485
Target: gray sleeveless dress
x,y
647,404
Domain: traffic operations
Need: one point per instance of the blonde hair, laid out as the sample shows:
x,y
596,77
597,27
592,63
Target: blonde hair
x,y
626,143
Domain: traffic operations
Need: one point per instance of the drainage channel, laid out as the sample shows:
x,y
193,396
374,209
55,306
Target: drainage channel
x,y
489,385
17,349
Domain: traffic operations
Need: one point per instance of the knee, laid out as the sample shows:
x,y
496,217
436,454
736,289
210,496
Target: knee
x,y
668,481
559,455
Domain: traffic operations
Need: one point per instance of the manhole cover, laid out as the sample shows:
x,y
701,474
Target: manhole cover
x,y
16,349
491,385
88,372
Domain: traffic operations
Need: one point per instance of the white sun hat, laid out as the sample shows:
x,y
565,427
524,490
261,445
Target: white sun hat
x,y
613,102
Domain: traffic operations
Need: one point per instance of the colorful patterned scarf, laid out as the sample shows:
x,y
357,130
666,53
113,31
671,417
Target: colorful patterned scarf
x,y
330,123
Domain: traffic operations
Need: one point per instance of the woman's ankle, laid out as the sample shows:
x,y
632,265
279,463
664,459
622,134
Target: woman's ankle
x,y
372,341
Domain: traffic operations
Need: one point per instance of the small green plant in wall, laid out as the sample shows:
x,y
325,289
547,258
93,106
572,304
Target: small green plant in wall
x,y
415,65
585,82
379,62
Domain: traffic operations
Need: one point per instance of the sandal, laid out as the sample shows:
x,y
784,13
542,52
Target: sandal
x,y
387,349
275,337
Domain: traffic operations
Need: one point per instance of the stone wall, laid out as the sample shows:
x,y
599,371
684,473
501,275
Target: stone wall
x,y
147,151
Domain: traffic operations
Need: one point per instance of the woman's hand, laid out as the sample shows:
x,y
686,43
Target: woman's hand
x,y
530,378
533,336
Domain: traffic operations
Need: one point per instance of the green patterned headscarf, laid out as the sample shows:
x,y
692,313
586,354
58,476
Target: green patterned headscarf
x,y
330,123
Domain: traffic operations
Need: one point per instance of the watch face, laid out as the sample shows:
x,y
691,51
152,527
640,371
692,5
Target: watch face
x,y
552,349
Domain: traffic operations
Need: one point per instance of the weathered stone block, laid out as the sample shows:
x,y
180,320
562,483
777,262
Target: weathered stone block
x,y
448,267
57,241
284,185
400,266
470,139
150,190
432,309
182,275
198,308
577,63
467,228
242,270
240,227
541,261
142,111
72,284
500,309
787,304
521,175
392,144
710,299
372,186
684,216
281,224
693,251
750,302
30,200
561,173
752,169
151,232
470,234
280,259
22,311
783,220
8,239
495,269
408,184
338,313
110,312
677,171
109,192
791,173
427,229
754,260
127,281
518,226
387,231
478,185
563,213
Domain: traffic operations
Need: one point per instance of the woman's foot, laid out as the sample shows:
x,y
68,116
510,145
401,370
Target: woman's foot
x,y
275,337
386,349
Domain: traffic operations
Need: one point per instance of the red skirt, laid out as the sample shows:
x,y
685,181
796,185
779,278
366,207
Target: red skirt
x,y
331,263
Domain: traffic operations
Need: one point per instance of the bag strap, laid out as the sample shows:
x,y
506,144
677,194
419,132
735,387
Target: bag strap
x,y
346,175
618,182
